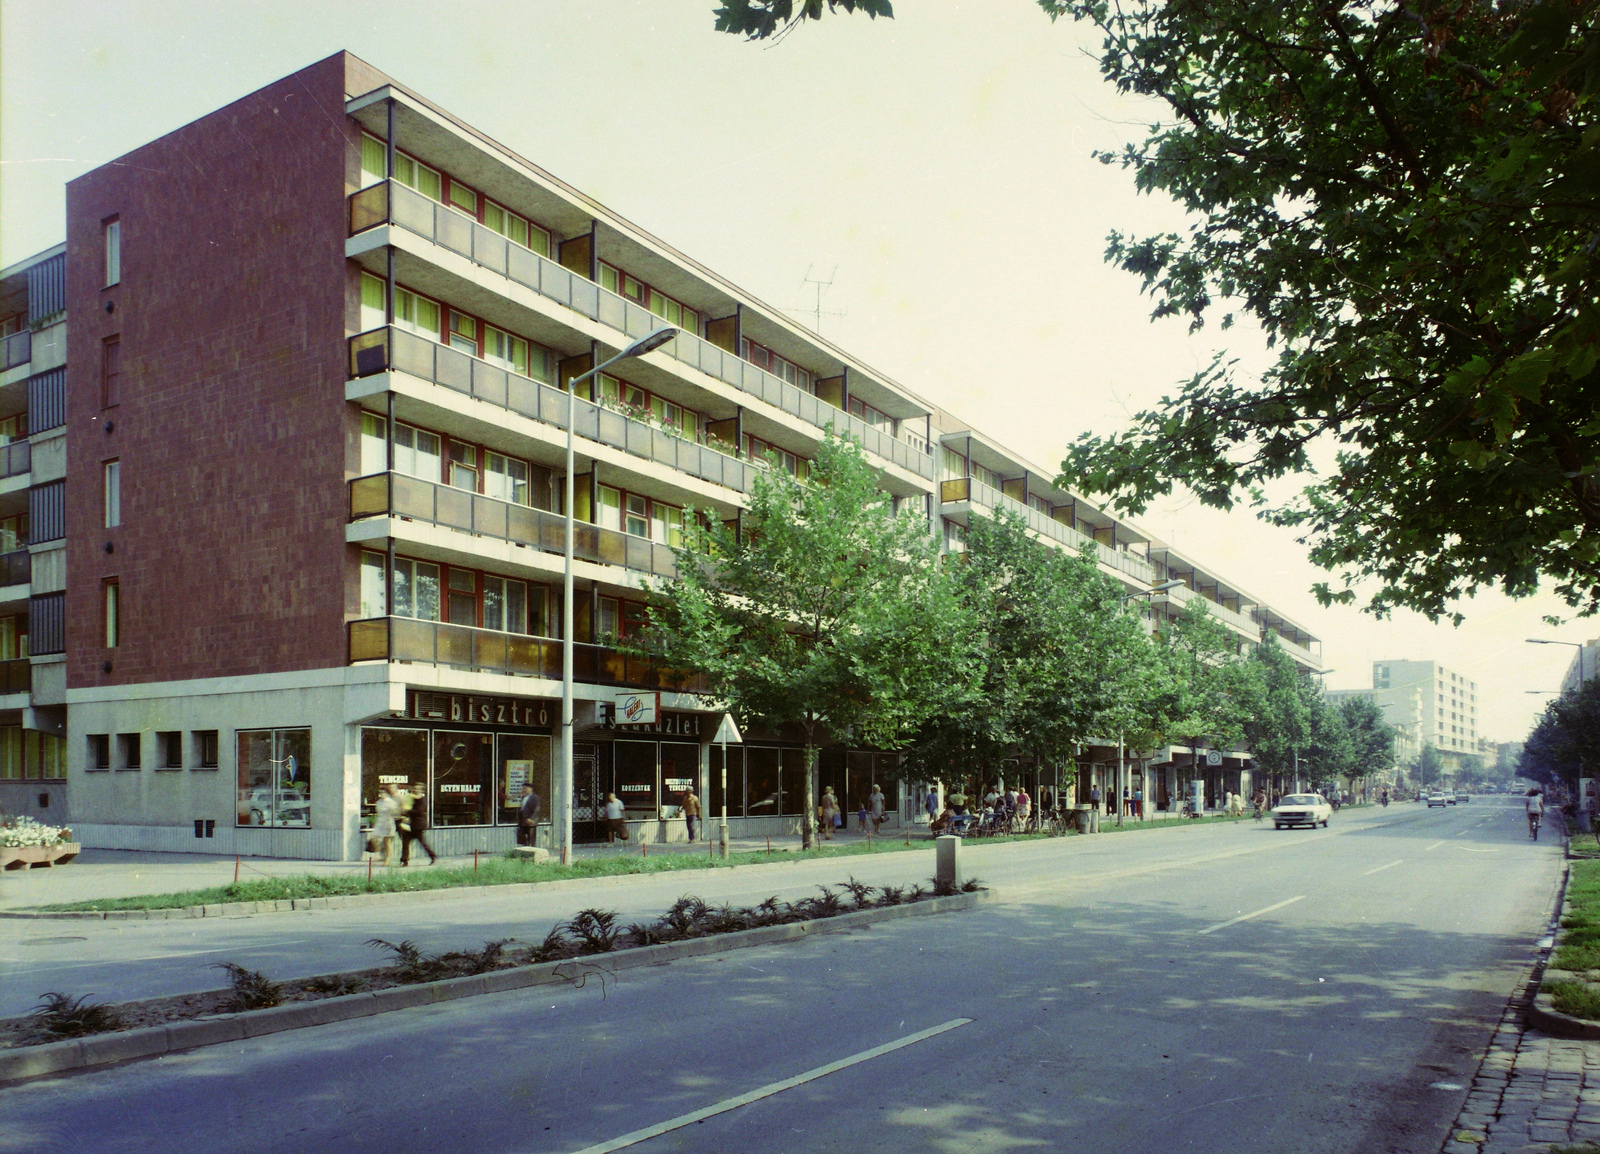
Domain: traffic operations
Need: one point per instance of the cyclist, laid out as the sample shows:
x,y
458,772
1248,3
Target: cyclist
x,y
1385,799
1535,806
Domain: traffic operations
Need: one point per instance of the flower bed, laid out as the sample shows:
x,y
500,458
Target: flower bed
x,y
25,843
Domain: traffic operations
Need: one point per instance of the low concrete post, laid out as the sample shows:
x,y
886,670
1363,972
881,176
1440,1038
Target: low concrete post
x,y
947,860
724,835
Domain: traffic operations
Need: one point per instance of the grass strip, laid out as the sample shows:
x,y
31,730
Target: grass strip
x,y
490,872
1583,845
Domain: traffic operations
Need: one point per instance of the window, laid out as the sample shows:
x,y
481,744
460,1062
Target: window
x,y
765,358
415,174
111,600
373,312
14,429
514,228
463,597
416,314
373,592
374,160
463,466
610,509
416,589
28,755
416,451
274,777
169,747
505,605
110,372
463,332
503,349
13,638
13,533
128,751
207,747
637,522
505,478
113,248
113,493
99,751
672,311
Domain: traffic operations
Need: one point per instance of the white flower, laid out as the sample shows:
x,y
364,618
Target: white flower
x,y
25,831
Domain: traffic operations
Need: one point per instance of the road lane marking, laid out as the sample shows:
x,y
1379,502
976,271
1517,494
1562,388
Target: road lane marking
x,y
1380,869
771,1088
1435,845
1247,917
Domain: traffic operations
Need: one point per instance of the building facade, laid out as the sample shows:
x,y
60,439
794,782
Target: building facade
x,y
1428,705
315,371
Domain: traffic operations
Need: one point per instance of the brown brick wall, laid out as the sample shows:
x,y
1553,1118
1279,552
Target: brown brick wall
x,y
232,430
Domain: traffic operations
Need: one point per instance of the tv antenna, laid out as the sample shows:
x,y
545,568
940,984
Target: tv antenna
x,y
820,286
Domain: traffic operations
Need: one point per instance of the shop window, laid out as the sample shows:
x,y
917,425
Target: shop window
x,y
274,777
397,757
680,771
794,782
463,778
207,747
635,775
98,751
762,782
522,759
734,779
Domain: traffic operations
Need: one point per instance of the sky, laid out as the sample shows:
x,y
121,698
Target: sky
x,y
936,170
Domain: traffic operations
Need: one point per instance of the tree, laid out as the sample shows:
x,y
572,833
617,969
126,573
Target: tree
x,y
1428,766
1371,739
1278,727
825,610
1202,690
760,19
1331,754
1406,200
1565,743
1059,656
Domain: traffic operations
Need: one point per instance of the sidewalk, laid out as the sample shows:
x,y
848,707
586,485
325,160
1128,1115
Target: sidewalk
x,y
107,873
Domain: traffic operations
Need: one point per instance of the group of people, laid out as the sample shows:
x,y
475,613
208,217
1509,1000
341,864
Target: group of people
x,y
1000,811
401,816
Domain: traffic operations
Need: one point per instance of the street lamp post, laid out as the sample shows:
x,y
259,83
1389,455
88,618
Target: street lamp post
x,y
1578,645
563,790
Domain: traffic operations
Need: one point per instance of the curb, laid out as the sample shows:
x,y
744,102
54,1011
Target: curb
x,y
151,1041
1541,1011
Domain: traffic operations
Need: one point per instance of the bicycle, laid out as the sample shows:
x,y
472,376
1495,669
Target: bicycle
x,y
1533,826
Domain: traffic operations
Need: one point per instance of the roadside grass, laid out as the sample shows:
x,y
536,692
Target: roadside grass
x,y
496,871
499,871
1579,953
1579,999
1583,846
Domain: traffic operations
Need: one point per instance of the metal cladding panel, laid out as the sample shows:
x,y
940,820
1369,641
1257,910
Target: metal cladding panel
x,y
47,623
47,288
47,512
47,400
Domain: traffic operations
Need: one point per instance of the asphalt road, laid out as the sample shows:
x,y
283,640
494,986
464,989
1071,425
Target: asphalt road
x,y
1224,988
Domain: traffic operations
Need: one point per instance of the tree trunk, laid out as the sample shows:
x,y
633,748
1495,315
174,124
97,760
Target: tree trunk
x,y
808,816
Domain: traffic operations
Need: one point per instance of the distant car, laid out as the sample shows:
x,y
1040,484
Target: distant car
x,y
1438,799
1463,797
1301,809
293,807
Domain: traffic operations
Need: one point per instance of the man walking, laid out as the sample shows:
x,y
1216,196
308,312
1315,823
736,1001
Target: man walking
x,y
413,825
691,811
527,815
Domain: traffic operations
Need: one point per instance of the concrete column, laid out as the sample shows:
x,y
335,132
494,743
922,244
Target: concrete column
x,y
560,792
947,860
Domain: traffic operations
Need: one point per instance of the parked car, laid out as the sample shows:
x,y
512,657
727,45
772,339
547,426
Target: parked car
x,y
1463,797
1438,799
293,807
1301,809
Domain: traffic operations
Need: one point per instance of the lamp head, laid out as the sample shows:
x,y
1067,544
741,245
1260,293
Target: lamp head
x,y
649,342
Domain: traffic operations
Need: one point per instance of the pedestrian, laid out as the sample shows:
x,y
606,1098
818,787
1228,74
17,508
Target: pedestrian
x,y
931,803
1138,803
527,815
875,803
1094,797
615,825
861,818
1024,809
830,811
413,825
1127,801
691,811
384,823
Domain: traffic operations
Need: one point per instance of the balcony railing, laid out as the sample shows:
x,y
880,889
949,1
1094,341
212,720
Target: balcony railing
x,y
1182,595
406,352
16,567
16,676
15,458
971,489
17,349
383,494
396,204
462,646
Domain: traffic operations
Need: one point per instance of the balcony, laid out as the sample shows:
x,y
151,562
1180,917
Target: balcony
x,y
394,494
973,490
1182,595
16,568
17,349
15,459
395,204
16,676
417,356
487,650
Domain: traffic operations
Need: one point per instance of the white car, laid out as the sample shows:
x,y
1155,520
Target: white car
x,y
1438,799
292,806
1302,809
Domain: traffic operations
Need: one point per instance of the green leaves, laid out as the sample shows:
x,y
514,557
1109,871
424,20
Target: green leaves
x,y
1408,204
761,19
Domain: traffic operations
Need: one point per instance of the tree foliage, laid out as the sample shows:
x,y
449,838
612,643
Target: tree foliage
x,y
762,19
1428,767
1565,743
1060,658
1407,201
825,610
1202,692
1371,738
1279,720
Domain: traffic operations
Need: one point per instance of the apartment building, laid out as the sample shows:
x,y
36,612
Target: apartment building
x,y
316,397
1429,705
33,353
